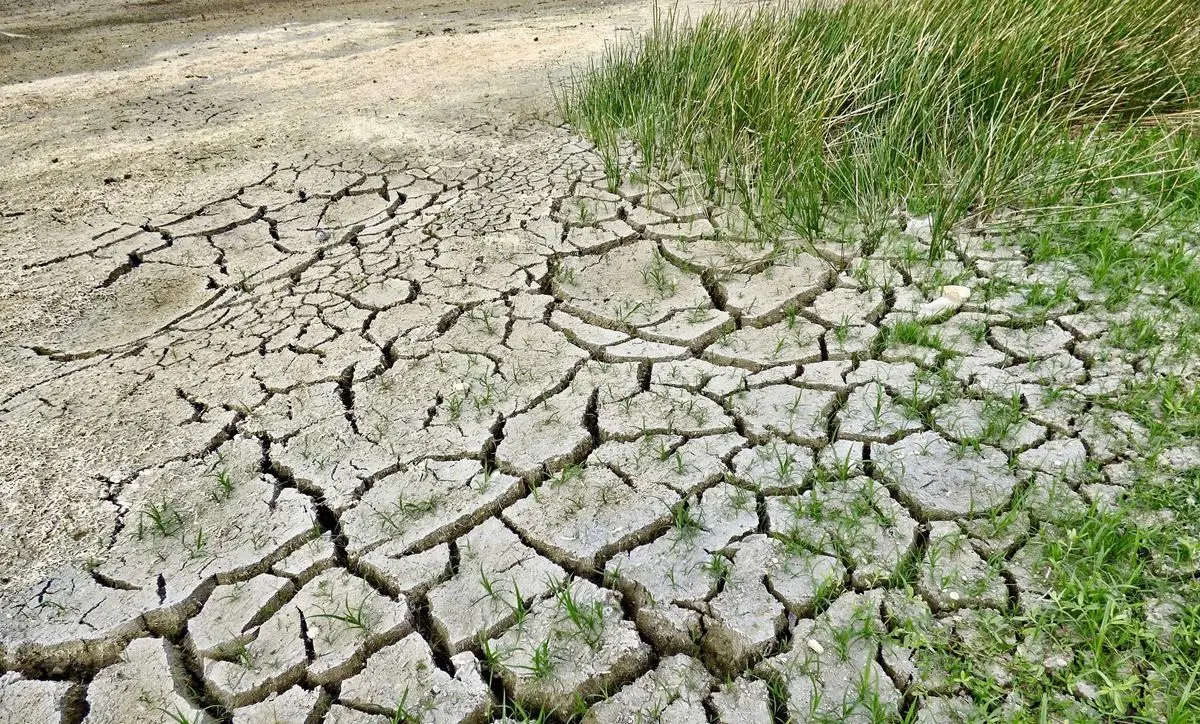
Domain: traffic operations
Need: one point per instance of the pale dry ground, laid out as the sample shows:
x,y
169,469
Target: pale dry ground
x,y
338,384
191,121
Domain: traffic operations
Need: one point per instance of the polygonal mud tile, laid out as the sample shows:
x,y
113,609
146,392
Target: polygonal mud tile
x,y
637,350
745,618
829,375
551,434
339,714
399,573
1030,571
953,576
693,328
690,374
855,518
346,620
1052,498
498,577
232,610
324,634
845,343
294,705
665,578
675,692
584,515
630,286
745,701
1106,498
946,710
1111,434
308,560
999,533
29,700
192,521
848,306
683,465
842,459
1030,344
146,687
774,467
402,681
904,379
1063,457
831,669
711,254
944,481
914,651
272,661
427,504
1085,325
872,415
66,621
582,334
662,411
790,342
966,334
994,421
574,644
691,229
1058,369
797,415
910,353
330,459
764,297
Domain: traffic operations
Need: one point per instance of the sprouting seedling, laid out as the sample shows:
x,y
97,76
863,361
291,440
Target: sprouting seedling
x,y
626,310
520,605
567,474
740,499
176,716
588,618
586,215
785,464
790,314
679,465
655,276
198,543
485,316
357,617
684,521
402,715
224,485
163,517
488,586
541,663
662,448
488,655
403,510
717,566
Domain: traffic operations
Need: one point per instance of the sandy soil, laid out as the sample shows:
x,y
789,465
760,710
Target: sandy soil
x,y
115,112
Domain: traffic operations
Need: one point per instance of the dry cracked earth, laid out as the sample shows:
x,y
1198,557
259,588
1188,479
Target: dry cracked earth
x,y
490,439
421,440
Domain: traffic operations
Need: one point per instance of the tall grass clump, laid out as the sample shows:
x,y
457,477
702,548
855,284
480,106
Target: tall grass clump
x,y
851,111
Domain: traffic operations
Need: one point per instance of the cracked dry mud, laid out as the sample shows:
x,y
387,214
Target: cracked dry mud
x,y
493,422
415,441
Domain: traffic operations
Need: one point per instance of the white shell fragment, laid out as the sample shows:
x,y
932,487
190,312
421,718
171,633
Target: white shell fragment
x,y
952,298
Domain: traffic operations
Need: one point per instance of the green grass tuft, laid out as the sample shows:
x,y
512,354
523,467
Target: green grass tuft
x,y
953,108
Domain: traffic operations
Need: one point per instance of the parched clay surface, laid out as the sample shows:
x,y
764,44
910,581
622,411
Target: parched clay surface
x,y
445,438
